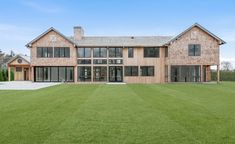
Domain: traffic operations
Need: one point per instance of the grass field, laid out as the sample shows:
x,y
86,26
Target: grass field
x,y
125,114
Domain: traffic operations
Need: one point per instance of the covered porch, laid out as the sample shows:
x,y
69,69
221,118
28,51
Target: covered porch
x,y
191,73
20,66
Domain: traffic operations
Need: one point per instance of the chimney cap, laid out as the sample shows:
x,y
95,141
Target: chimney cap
x,y
77,27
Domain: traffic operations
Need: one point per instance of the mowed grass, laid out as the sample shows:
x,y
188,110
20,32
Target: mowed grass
x,y
125,114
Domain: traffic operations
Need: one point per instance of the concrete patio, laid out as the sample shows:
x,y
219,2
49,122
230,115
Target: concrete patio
x,y
24,85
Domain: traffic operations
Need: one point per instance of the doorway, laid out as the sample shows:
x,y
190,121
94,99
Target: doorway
x,y
115,74
26,74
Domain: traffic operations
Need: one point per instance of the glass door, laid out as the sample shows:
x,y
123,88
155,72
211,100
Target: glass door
x,y
115,74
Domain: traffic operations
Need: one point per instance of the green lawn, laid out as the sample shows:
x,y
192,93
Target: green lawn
x,y
125,114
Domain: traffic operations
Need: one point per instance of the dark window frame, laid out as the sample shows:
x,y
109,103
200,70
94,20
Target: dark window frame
x,y
84,52
102,69
50,70
82,78
100,54
116,54
42,50
147,71
194,50
129,71
166,52
151,52
97,61
130,52
84,61
63,52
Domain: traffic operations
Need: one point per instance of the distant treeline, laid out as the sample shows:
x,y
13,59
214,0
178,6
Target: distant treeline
x,y
224,75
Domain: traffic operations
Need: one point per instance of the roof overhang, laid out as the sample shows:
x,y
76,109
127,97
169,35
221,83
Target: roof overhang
x,y
17,56
29,45
221,42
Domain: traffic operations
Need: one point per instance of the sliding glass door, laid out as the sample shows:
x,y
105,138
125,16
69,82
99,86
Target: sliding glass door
x,y
54,74
185,73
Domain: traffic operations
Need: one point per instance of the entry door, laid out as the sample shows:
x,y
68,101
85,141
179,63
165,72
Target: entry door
x,y
115,74
26,74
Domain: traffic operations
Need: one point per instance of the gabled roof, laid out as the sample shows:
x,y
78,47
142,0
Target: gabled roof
x,y
203,29
46,32
128,41
24,57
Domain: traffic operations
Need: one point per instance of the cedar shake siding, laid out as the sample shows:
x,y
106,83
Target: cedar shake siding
x,y
45,41
150,59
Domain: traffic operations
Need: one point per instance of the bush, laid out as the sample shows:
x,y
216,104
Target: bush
x,y
224,76
12,76
4,75
1,75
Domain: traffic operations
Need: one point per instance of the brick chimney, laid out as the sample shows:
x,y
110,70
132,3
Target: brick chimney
x,y
78,32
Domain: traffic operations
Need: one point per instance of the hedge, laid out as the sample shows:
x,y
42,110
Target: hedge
x,y
4,75
224,76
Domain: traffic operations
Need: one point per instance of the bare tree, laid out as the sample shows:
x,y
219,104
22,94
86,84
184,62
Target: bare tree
x,y
226,66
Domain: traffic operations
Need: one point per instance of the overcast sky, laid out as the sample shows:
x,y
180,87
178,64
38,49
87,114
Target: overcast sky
x,y
23,20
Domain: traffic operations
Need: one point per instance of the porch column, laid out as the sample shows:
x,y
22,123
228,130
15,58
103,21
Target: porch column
x,y
9,73
75,74
169,73
32,74
218,73
202,74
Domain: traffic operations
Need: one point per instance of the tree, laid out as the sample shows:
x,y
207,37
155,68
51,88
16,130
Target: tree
x,y
226,66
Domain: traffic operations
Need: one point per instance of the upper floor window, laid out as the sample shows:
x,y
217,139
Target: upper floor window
x,y
147,70
194,50
151,52
166,52
84,52
130,52
115,52
61,52
100,52
44,52
131,70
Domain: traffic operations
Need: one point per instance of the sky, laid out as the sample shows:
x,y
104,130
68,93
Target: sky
x,y
23,20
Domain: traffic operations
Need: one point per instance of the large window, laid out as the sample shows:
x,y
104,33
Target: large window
x,y
185,73
194,50
115,52
84,52
100,73
130,52
84,73
44,52
100,52
131,70
54,74
115,61
61,52
39,74
151,52
147,70
84,61
100,61
47,74
62,74
70,74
